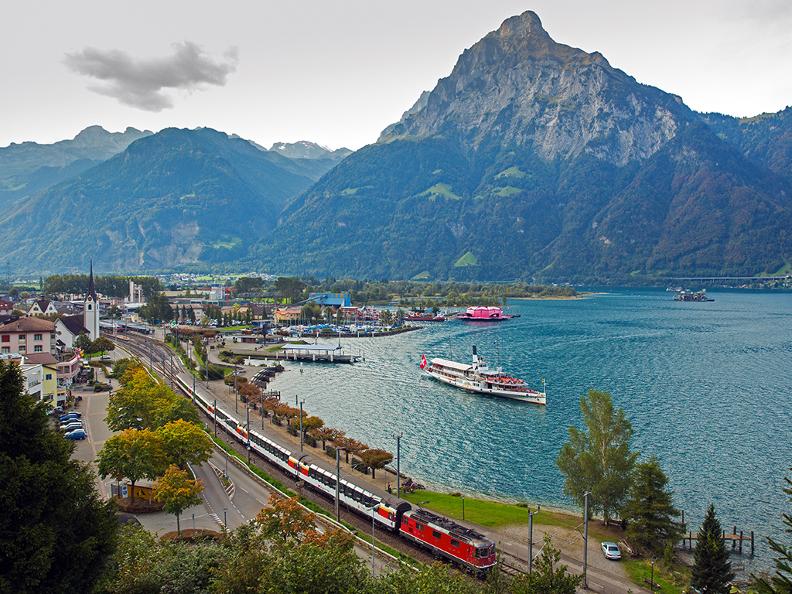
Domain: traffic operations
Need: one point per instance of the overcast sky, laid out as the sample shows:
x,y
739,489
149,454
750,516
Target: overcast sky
x,y
339,71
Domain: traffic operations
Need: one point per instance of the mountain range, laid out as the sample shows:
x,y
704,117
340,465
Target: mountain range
x,y
532,159
165,200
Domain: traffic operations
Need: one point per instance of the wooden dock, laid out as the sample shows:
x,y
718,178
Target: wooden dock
x,y
734,537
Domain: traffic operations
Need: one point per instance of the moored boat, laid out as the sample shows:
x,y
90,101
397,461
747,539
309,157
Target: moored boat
x,y
483,313
479,378
421,316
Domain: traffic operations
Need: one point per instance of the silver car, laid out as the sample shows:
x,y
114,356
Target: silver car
x,y
611,551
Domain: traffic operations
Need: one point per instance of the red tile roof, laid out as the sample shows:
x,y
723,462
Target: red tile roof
x,y
28,324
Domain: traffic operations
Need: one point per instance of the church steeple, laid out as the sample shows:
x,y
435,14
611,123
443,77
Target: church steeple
x,y
91,308
91,286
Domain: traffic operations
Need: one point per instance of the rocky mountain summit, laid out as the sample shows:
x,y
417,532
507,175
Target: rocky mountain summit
x,y
305,149
29,167
533,158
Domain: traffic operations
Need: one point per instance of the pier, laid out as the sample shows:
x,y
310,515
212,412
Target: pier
x,y
736,538
315,353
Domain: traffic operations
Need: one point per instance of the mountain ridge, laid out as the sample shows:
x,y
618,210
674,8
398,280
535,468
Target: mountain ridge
x,y
539,159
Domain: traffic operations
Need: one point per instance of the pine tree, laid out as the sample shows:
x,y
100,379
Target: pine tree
x,y
649,509
56,535
712,572
781,581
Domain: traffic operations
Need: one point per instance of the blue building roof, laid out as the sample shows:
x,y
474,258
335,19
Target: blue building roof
x,y
331,299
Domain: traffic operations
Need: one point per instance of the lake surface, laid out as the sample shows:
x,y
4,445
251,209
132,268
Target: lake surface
x,y
707,387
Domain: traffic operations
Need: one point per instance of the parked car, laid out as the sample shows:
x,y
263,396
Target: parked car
x,y
69,416
611,551
76,434
71,426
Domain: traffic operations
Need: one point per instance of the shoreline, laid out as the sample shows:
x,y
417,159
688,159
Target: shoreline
x,y
578,297
281,383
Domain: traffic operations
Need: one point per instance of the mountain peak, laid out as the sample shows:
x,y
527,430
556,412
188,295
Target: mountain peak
x,y
527,23
91,132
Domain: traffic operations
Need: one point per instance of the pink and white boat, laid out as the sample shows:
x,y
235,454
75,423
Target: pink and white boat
x,y
483,313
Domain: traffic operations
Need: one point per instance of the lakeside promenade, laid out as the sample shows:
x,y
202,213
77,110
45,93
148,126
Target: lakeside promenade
x,y
603,575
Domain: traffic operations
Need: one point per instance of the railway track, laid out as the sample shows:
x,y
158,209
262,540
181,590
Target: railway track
x,y
161,357
158,355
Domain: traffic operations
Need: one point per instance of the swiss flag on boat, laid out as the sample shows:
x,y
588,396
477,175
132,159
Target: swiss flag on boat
x,y
423,361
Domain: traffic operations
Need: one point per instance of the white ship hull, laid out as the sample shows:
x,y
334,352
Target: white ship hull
x,y
480,387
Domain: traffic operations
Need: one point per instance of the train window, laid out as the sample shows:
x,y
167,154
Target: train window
x,y
405,521
419,527
454,543
435,534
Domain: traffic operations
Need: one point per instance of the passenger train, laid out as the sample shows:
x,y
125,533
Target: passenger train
x,y
442,536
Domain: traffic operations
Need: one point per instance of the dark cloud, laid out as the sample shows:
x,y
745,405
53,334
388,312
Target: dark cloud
x,y
141,83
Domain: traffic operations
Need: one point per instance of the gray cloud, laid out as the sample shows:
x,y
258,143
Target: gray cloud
x,y
141,83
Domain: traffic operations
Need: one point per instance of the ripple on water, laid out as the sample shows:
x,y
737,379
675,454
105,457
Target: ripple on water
x,y
705,385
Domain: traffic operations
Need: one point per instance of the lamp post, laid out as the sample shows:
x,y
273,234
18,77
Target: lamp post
x,y
530,537
373,507
463,508
215,416
301,424
585,538
247,428
651,579
338,484
398,465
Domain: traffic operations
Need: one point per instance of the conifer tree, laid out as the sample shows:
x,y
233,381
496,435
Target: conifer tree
x,y
56,535
712,572
649,509
781,581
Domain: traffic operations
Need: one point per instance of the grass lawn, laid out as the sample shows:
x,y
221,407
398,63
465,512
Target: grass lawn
x,y
670,582
236,328
495,513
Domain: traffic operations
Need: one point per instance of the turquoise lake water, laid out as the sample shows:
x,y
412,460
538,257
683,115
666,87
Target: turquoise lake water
x,y
707,387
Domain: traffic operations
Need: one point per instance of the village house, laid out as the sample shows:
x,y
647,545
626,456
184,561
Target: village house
x,y
28,335
68,328
288,314
42,307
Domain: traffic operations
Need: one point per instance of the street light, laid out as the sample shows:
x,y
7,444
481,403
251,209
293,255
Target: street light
x,y
301,424
463,507
247,428
585,538
398,465
373,507
338,483
530,537
651,579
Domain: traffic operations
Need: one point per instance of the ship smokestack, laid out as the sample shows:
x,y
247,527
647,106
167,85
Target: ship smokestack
x,y
475,356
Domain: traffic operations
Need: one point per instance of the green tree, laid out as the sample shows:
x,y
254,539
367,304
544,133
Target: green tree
x,y
431,579
177,491
548,577
101,345
712,571
133,454
142,402
290,287
650,510
51,513
144,564
781,580
599,460
247,284
83,343
185,443
375,459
